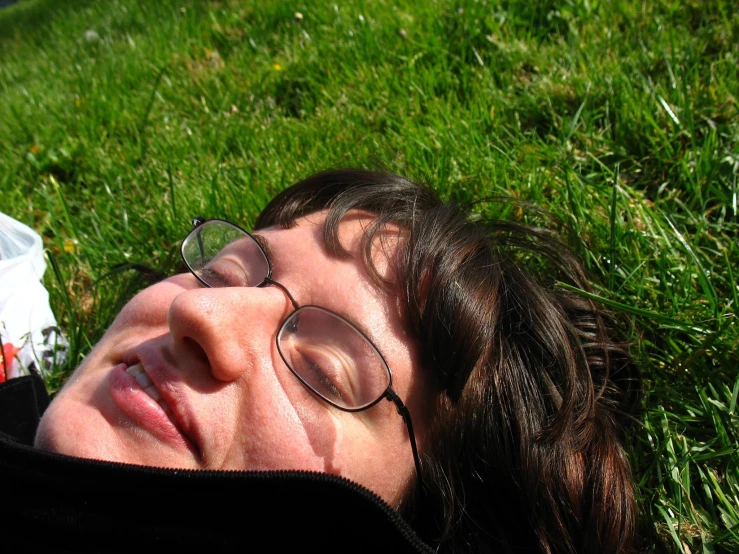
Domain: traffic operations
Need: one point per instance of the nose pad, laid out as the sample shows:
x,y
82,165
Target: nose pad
x,y
228,329
293,322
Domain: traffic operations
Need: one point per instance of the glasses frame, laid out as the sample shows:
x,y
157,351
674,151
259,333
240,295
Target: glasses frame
x,y
389,392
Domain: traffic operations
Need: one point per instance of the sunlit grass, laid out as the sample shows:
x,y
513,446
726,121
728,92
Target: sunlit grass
x,y
121,120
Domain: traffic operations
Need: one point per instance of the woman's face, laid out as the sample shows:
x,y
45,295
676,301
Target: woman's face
x,y
220,395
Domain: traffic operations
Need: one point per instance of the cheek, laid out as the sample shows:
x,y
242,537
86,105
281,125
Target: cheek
x,y
277,433
323,431
150,306
280,424
72,425
305,416
373,453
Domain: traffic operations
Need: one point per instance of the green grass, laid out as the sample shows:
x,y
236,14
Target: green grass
x,y
620,117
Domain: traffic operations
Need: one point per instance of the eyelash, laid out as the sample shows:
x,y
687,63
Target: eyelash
x,y
214,275
325,380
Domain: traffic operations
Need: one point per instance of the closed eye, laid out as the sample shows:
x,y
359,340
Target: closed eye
x,y
227,271
213,278
317,374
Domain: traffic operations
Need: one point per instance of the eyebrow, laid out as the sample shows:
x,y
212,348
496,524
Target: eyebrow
x,y
264,243
269,251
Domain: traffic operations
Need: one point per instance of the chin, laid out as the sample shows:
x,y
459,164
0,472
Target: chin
x,y
83,431
75,430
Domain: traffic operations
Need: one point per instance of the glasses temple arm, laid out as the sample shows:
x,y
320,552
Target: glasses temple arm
x,y
406,415
197,222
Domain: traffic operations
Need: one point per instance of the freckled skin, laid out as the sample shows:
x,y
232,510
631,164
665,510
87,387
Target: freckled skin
x,y
242,407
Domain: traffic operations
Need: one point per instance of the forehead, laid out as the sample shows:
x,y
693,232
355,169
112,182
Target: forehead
x,y
303,263
346,244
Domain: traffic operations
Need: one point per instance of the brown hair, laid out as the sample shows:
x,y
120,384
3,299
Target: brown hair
x,y
524,452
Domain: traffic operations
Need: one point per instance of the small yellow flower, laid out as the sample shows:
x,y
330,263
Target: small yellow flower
x,y
69,246
35,149
277,67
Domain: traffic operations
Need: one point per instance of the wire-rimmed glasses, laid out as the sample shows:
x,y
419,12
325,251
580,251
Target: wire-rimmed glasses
x,y
334,359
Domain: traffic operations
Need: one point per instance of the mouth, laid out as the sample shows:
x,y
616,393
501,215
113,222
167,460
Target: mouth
x,y
142,378
136,394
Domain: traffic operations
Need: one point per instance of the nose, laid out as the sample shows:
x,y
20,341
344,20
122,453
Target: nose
x,y
230,329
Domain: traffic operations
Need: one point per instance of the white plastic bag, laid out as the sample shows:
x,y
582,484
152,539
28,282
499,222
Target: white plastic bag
x,y
30,337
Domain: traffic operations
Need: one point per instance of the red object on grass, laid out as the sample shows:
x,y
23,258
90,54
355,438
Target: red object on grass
x,y
6,358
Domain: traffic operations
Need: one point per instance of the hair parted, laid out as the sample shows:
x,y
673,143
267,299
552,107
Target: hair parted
x,y
525,447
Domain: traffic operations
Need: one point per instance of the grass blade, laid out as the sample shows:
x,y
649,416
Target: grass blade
x,y
655,317
703,279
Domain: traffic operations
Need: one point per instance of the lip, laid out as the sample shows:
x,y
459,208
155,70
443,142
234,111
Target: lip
x,y
145,412
168,381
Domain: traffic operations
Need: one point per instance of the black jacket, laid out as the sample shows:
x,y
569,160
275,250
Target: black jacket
x,y
50,502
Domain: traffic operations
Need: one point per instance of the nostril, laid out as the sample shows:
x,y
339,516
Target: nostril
x,y
197,351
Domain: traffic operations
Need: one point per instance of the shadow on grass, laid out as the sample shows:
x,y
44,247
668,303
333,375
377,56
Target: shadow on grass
x,y
33,16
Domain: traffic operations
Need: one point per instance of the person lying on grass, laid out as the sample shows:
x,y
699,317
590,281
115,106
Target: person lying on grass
x,y
366,329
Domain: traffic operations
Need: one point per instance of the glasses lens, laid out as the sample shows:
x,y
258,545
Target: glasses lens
x,y
222,255
333,358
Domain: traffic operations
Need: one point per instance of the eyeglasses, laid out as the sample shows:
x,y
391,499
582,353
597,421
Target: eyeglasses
x,y
334,359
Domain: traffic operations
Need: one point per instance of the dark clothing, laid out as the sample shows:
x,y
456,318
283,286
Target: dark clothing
x,y
50,502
